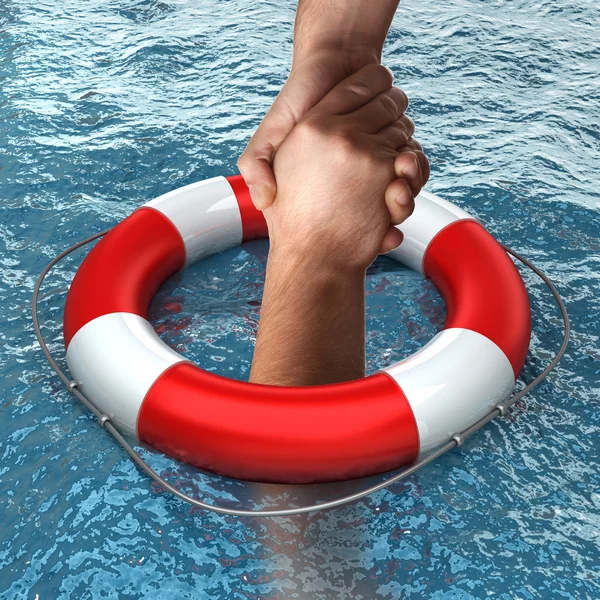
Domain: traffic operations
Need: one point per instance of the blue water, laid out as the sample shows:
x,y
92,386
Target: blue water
x,y
104,105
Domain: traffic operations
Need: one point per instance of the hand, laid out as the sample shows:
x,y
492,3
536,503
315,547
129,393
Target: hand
x,y
313,75
333,172
310,79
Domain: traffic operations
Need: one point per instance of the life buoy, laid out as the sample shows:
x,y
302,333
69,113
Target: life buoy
x,y
292,434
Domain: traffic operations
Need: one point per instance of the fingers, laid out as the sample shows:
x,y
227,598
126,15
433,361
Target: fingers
x,y
399,200
357,90
413,166
255,167
397,134
263,187
392,239
412,144
255,163
382,111
412,172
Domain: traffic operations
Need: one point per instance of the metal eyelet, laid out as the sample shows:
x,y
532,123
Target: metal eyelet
x,y
502,410
103,420
459,439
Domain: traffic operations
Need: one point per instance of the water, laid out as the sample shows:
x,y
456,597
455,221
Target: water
x,y
105,105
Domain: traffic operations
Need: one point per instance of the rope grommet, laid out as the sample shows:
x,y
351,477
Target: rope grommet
x,y
72,385
459,439
502,410
103,420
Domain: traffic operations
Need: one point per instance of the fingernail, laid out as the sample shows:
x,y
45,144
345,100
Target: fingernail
x,y
405,196
412,170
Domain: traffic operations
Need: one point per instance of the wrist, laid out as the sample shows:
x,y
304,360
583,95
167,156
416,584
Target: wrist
x,y
321,48
356,28
316,262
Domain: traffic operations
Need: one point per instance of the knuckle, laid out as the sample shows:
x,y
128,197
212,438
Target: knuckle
x,y
409,124
372,75
388,105
401,126
405,101
425,167
359,88
416,145
381,71
345,141
403,137
310,126
243,163
399,98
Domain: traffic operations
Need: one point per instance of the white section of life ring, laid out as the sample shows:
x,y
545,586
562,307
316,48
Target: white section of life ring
x,y
206,214
115,359
451,382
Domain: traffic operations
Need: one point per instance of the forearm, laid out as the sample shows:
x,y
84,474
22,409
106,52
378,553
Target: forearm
x,y
352,25
312,323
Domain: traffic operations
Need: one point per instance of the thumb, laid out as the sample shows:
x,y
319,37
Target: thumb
x,y
255,165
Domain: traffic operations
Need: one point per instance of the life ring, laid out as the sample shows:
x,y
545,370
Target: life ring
x,y
292,434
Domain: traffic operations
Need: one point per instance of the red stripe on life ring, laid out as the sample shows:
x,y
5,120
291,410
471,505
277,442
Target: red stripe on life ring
x,y
124,270
481,287
279,434
254,226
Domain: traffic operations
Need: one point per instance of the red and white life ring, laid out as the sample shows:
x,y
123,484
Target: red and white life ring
x,y
292,434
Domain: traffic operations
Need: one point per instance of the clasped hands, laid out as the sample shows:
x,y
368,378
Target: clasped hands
x,y
345,173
